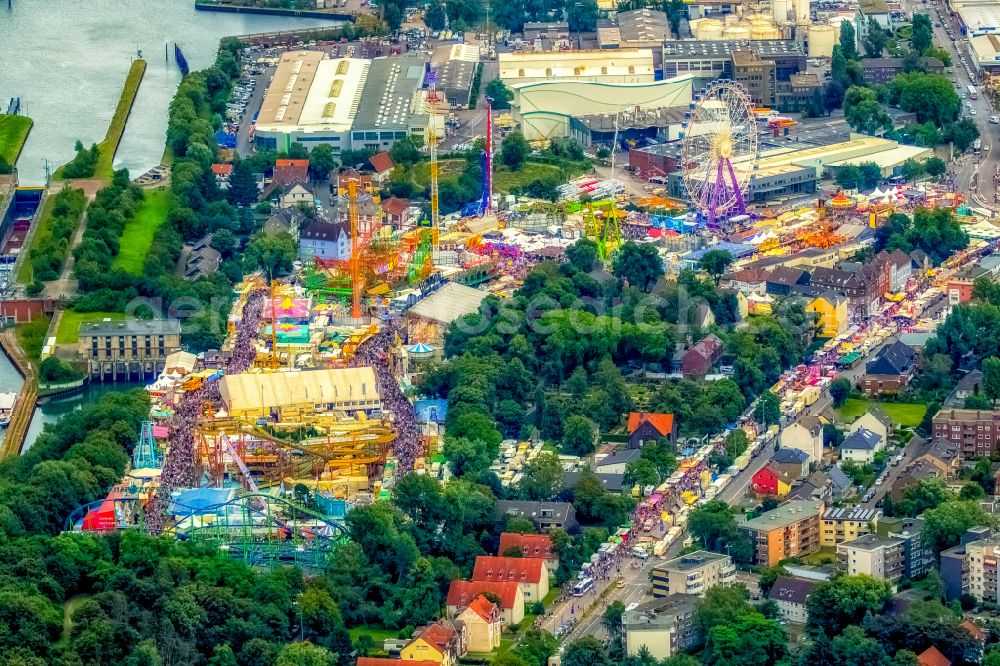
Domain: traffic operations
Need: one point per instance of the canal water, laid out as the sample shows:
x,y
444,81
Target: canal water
x,y
67,61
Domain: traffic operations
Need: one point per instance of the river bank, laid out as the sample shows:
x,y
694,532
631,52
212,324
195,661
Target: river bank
x,y
338,15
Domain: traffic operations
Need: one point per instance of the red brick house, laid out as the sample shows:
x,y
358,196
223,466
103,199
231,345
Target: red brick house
x,y
697,361
530,574
382,165
395,211
531,545
509,595
288,171
649,427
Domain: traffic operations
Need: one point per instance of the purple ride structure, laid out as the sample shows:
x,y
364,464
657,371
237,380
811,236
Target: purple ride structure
x,y
719,150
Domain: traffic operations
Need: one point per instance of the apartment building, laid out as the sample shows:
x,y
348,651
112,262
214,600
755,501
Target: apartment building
x,y
974,431
918,557
981,562
664,627
846,524
874,555
693,573
791,530
757,76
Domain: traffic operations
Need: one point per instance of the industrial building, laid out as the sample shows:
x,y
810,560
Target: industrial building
x,y
547,109
132,348
296,395
757,76
708,61
347,103
619,66
980,23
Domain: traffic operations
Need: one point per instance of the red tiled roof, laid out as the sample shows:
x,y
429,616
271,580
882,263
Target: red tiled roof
x,y
664,423
295,164
395,206
438,635
483,607
531,545
381,162
932,657
974,631
222,169
462,592
383,661
285,171
510,569
707,347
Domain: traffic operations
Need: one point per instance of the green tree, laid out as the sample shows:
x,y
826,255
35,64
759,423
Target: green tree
x,y
435,18
843,601
838,65
722,605
963,133
751,640
848,177
242,185
514,151
923,33
931,96
714,525
848,40
638,263
768,410
322,161
912,169
971,491
874,39
542,477
501,95
945,524
271,253
579,438
935,166
642,472
769,576
405,151
715,263
582,254
840,390
586,651
991,378
305,654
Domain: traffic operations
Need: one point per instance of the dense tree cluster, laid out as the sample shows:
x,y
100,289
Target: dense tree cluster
x,y
84,163
935,231
49,252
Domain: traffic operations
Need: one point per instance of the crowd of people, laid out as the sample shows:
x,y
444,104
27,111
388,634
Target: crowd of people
x,y
374,352
178,466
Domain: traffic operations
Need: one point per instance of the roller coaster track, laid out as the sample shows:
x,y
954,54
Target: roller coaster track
x,y
256,528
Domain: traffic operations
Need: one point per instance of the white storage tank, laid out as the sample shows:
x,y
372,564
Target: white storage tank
x,y
821,41
770,32
781,9
737,33
709,30
801,9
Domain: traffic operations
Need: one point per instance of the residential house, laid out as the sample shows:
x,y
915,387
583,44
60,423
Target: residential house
x,y
287,172
841,486
791,530
864,287
618,461
944,455
444,643
970,384
911,475
805,434
397,212
222,172
974,431
286,220
932,657
884,70
899,266
960,284
343,178
699,359
201,259
793,462
649,427
483,622
861,446
693,574
833,313
531,574
381,166
511,598
791,594
297,194
890,371
529,545
873,555
613,483
545,515
771,480
664,627
817,487
751,282
325,240
782,280
840,524
876,421
385,661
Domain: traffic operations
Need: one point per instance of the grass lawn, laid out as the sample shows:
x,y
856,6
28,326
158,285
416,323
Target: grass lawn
x,y
31,337
824,555
69,326
378,634
44,222
138,234
901,413
13,133
504,180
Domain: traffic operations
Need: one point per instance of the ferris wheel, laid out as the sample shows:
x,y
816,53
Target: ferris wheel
x,y
719,149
